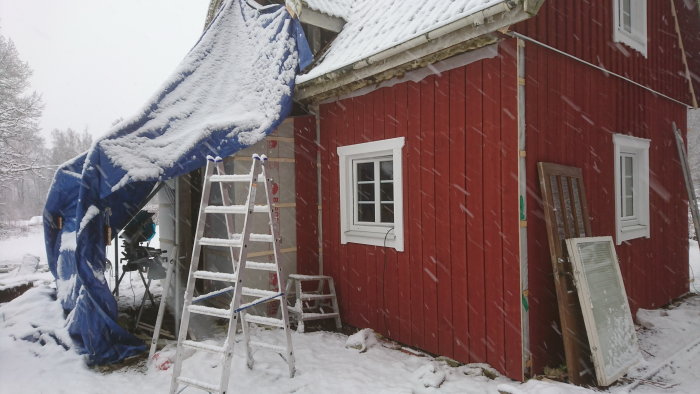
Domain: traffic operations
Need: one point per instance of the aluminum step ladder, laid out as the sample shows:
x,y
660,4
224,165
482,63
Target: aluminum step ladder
x,y
309,304
238,246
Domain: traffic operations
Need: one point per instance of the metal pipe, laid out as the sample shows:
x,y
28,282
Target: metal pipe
x,y
551,48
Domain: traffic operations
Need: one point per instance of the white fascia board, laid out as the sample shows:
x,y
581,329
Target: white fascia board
x,y
472,27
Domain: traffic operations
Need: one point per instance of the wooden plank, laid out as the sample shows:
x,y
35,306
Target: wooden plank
x,y
443,211
510,222
458,218
577,351
404,271
475,206
429,274
413,158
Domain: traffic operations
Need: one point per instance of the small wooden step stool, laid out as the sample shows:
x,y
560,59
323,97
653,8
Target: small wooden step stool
x,y
313,299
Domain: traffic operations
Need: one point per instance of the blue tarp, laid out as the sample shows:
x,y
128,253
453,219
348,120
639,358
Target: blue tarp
x,y
234,87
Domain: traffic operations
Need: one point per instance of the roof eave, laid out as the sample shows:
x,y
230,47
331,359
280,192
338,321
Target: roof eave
x,y
466,34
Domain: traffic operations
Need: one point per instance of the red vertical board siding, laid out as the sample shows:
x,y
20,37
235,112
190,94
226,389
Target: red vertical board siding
x,y
427,174
442,215
305,162
492,214
404,273
569,25
448,291
413,215
585,108
457,213
475,219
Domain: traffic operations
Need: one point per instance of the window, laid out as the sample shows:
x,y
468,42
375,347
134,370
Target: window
x,y
371,195
630,23
631,187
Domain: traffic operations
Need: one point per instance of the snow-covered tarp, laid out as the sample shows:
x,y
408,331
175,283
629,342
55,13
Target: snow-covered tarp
x,y
233,88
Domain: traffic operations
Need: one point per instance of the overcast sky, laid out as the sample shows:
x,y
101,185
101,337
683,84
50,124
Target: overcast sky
x,y
98,60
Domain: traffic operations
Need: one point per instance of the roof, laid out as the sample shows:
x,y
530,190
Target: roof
x,y
374,26
337,8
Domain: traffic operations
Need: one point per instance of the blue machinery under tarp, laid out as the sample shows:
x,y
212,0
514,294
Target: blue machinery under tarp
x,y
233,88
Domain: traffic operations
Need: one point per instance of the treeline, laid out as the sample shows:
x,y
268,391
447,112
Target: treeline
x,y
27,160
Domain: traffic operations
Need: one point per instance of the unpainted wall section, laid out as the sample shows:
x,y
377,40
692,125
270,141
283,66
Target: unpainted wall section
x,y
279,148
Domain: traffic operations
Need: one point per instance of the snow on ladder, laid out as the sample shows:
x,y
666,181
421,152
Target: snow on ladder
x,y
238,247
314,299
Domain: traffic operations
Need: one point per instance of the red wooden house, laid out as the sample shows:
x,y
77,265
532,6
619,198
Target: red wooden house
x,y
428,120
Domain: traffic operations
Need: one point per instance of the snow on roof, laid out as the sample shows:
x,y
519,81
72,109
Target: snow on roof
x,y
377,25
338,8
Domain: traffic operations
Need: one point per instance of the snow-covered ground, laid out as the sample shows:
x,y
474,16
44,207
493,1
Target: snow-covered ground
x,y
35,354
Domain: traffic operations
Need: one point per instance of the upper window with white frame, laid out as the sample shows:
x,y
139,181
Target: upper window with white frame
x,y
371,195
631,187
630,23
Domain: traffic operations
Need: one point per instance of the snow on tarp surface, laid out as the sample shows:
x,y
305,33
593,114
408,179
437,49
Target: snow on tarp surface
x,y
375,26
232,89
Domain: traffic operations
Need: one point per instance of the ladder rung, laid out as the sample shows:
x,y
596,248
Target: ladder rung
x,y
268,346
309,277
316,296
215,312
199,384
235,242
235,178
204,346
242,209
265,321
220,276
247,291
258,237
212,294
317,316
255,265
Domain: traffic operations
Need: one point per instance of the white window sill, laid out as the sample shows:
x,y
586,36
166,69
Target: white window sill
x,y
375,238
631,232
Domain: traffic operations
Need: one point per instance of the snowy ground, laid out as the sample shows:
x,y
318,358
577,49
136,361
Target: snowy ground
x,y
35,355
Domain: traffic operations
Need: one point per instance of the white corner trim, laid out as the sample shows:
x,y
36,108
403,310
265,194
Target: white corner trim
x,y
391,235
639,147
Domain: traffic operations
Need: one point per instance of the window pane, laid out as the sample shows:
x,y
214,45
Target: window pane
x,y
626,15
627,185
386,192
386,170
365,172
387,213
365,213
365,192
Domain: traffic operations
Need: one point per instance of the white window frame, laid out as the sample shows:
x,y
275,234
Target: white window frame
x,y
378,234
636,225
636,36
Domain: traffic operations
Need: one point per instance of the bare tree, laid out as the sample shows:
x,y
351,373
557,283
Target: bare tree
x,y
19,115
67,144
